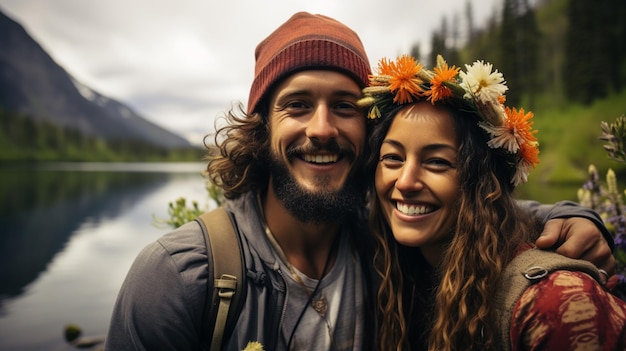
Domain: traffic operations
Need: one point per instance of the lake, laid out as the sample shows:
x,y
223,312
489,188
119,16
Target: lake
x,y
68,234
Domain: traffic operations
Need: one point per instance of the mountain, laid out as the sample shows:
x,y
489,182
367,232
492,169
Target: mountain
x,y
33,84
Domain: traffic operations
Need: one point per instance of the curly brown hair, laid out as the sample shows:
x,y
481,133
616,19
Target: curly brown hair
x,y
237,157
489,229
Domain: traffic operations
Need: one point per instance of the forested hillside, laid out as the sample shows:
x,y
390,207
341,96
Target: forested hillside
x,y
25,139
46,115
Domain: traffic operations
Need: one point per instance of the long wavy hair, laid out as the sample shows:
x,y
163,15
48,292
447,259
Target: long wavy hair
x,y
237,156
488,230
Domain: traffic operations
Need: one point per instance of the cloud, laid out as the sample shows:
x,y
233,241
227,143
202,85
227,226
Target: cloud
x,y
181,63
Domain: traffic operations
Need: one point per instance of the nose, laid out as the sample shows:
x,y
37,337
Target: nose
x,y
410,178
322,126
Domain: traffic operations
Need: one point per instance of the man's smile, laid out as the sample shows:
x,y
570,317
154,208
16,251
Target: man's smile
x,y
320,158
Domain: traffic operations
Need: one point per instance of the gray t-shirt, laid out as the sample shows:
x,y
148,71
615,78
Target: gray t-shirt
x,y
344,315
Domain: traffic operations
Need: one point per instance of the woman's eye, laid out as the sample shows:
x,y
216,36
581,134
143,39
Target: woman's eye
x,y
440,163
391,159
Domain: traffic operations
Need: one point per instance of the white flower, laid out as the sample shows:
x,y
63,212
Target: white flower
x,y
501,137
480,83
520,177
521,173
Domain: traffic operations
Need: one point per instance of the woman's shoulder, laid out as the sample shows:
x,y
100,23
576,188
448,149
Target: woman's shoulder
x,y
562,287
566,307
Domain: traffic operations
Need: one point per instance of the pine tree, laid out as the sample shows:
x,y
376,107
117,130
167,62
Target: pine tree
x,y
585,58
519,43
469,18
439,45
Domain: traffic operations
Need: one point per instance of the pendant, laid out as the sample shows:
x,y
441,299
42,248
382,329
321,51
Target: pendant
x,y
319,305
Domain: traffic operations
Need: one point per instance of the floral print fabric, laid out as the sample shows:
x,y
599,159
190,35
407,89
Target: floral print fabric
x,y
568,311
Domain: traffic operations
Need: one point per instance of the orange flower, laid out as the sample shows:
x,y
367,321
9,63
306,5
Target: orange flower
x,y
529,154
404,82
438,89
520,125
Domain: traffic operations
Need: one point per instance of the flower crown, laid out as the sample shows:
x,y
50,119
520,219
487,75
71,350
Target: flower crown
x,y
479,91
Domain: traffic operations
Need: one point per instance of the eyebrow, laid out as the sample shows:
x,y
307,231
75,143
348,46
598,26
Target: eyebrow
x,y
440,146
308,92
429,147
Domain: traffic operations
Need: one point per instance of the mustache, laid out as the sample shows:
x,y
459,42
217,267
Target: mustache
x,y
314,146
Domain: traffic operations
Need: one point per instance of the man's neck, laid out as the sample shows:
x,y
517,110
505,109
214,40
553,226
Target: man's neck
x,y
306,245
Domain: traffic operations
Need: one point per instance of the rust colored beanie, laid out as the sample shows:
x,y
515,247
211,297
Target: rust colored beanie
x,y
305,42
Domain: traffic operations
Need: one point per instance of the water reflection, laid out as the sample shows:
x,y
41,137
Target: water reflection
x,y
40,211
67,238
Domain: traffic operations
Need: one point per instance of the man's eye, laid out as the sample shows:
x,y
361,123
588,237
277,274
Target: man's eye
x,y
345,105
346,108
296,105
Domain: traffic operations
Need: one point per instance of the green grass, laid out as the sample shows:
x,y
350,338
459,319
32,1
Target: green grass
x,y
569,143
569,139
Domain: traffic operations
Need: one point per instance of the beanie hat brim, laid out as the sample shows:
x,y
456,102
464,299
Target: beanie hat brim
x,y
307,42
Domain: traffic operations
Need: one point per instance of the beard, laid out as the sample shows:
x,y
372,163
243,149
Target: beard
x,y
320,205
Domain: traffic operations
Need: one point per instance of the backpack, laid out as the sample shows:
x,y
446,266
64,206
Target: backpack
x,y
524,270
227,279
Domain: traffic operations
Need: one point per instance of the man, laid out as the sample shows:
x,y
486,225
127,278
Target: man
x,y
291,169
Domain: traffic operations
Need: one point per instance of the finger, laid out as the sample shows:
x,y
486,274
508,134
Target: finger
x,y
577,246
611,283
582,239
597,252
578,238
604,260
551,235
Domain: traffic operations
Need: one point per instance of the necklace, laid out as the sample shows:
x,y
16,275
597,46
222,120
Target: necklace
x,y
319,303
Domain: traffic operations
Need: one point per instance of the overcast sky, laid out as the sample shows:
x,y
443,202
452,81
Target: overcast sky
x,y
181,63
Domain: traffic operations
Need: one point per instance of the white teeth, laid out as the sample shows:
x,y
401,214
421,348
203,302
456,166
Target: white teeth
x,y
320,158
413,209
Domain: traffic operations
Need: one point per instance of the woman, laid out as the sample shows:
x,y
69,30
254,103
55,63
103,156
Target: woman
x,y
447,155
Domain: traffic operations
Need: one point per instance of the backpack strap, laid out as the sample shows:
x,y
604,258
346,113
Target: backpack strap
x,y
226,280
524,270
